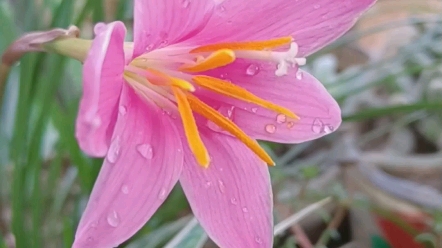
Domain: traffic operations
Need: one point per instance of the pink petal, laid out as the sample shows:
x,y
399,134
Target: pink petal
x,y
102,82
313,24
161,23
231,199
306,97
137,175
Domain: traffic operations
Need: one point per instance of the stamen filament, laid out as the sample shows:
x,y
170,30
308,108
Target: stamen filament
x,y
161,78
190,128
235,91
247,45
217,59
223,122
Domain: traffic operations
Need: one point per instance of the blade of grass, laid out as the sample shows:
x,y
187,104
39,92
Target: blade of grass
x,y
19,150
191,236
372,113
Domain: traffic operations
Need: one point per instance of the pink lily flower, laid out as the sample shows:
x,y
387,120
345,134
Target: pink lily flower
x,y
186,102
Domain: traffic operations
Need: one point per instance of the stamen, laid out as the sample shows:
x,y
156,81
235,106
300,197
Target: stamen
x,y
247,45
161,78
213,115
232,90
217,59
190,128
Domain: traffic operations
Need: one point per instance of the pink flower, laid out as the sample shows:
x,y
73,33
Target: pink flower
x,y
186,101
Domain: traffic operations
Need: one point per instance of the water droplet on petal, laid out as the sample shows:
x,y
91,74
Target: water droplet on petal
x,y
254,110
290,124
299,75
163,193
230,112
221,8
252,70
125,189
281,118
245,210
179,150
316,6
114,150
221,186
89,239
96,122
145,150
233,201
208,184
213,126
149,47
122,110
258,240
270,128
328,129
94,224
317,126
113,219
185,4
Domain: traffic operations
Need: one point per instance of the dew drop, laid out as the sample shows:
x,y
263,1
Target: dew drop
x,y
281,118
316,6
179,150
125,189
230,112
185,4
299,75
328,129
122,110
113,219
233,201
221,186
114,150
96,122
223,76
317,126
254,110
270,128
245,210
208,184
290,124
145,150
149,47
94,224
213,126
89,239
258,240
163,193
252,70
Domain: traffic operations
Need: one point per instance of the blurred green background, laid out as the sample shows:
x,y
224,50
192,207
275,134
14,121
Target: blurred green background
x,y
374,182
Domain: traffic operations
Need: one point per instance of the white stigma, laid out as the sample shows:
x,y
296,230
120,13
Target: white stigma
x,y
284,60
288,58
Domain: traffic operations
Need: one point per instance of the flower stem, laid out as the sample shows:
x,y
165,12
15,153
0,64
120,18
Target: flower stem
x,y
73,47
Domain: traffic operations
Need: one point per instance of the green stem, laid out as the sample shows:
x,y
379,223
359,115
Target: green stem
x,y
73,47
4,72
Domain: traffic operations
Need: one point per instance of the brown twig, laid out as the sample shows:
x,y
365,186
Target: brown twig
x,y
339,216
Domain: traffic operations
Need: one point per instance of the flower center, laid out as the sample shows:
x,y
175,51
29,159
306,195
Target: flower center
x,y
168,76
